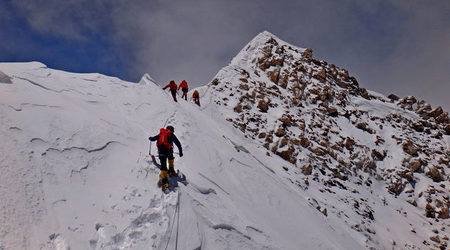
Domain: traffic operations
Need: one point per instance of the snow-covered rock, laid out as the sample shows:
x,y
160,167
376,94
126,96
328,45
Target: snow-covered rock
x,y
351,144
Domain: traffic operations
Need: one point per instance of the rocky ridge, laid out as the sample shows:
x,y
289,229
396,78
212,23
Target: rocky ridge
x,y
337,134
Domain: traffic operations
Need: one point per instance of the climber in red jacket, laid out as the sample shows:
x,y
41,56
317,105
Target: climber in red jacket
x,y
184,88
173,89
164,141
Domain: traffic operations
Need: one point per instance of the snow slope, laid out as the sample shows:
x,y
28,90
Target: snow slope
x,y
75,173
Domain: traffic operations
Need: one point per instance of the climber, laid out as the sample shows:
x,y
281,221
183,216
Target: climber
x,y
173,89
196,97
164,143
184,88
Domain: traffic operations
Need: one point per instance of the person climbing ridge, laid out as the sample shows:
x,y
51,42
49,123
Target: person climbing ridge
x,y
173,89
184,88
164,143
196,97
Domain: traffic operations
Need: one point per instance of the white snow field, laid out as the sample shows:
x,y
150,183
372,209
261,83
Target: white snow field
x,y
75,173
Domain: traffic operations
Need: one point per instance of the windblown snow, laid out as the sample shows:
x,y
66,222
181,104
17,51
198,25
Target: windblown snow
x,y
75,171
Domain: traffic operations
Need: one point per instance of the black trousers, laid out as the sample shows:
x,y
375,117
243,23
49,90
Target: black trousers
x,y
197,101
185,91
163,159
174,94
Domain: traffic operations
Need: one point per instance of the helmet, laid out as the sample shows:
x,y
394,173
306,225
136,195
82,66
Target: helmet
x,y
170,128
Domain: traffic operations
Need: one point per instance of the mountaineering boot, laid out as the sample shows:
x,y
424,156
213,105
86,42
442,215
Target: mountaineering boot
x,y
172,172
163,179
171,168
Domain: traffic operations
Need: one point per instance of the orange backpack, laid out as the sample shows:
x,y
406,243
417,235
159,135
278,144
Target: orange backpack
x,y
163,139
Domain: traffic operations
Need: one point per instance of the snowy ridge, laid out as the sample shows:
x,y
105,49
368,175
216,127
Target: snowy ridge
x,y
75,173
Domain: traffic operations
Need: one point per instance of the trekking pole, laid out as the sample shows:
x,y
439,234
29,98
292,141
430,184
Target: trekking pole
x,y
150,149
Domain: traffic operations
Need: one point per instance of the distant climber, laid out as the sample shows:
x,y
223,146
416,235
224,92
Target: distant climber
x,y
173,89
164,143
196,97
184,88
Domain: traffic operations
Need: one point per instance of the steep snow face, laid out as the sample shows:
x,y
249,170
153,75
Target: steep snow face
x,y
377,164
75,173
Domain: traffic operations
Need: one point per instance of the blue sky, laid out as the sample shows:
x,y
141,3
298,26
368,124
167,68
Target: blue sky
x,y
94,53
390,46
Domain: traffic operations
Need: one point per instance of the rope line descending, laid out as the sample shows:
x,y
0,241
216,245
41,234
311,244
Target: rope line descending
x,y
178,219
177,214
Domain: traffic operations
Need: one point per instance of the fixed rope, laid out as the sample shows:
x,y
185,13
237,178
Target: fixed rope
x,y
178,219
177,214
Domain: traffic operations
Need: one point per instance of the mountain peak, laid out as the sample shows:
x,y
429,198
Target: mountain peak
x,y
147,79
265,35
257,46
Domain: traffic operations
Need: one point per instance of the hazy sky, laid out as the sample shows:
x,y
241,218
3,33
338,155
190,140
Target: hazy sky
x,y
400,47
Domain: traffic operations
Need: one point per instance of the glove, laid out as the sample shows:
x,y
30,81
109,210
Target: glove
x,y
181,154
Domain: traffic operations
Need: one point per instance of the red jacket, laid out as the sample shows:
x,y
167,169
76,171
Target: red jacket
x,y
172,86
183,85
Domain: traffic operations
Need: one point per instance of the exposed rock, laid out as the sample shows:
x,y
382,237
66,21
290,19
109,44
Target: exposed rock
x,y
283,81
410,148
378,156
280,132
301,125
332,111
447,129
393,97
286,120
436,112
363,93
435,174
238,108
320,151
320,75
407,102
429,211
263,105
349,143
243,80
307,169
269,138
273,76
288,155
435,239
284,141
215,82
244,87
343,75
415,165
307,54
304,142
418,126
407,174
443,212
443,118
324,211
396,187
365,127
